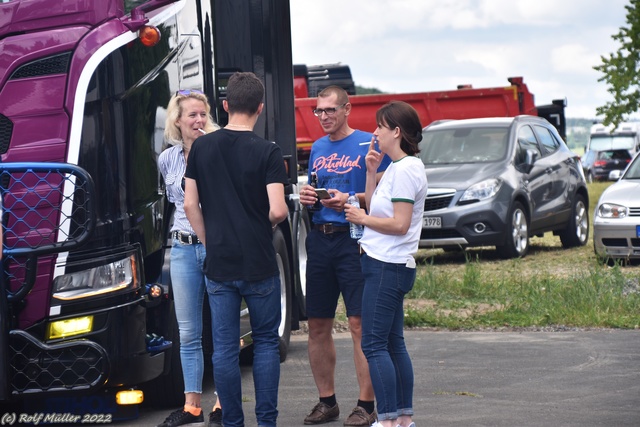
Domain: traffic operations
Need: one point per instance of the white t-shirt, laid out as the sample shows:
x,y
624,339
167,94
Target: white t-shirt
x,y
404,180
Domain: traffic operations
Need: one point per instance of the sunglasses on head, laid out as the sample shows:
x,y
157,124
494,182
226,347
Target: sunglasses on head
x,y
187,92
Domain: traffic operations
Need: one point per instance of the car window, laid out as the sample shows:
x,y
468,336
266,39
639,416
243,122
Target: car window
x,y
589,157
633,172
620,154
526,141
549,142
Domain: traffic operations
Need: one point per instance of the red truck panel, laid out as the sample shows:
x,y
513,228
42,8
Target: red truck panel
x,y
507,101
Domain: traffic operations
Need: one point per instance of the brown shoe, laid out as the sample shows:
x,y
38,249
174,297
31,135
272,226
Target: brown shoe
x,y
360,417
322,413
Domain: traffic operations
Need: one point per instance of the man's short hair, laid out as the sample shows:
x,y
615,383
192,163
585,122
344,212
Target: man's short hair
x,y
245,93
342,95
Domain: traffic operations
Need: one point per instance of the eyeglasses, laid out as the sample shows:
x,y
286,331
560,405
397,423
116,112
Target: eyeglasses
x,y
187,92
328,111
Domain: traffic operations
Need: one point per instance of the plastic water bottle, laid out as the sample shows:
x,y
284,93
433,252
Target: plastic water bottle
x,y
355,230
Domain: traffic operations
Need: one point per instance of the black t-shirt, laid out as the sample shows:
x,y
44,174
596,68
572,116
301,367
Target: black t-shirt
x,y
232,170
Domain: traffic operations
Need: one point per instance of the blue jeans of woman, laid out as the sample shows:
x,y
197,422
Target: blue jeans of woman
x,y
263,301
390,367
187,279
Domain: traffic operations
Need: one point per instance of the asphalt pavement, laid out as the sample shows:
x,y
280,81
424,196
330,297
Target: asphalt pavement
x,y
578,378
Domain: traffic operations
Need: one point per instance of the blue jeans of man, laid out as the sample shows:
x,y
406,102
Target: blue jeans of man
x,y
383,343
188,283
263,301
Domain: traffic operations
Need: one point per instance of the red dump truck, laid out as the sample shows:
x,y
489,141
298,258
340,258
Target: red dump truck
x,y
462,103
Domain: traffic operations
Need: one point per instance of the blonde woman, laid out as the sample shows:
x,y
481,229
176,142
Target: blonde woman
x,y
188,117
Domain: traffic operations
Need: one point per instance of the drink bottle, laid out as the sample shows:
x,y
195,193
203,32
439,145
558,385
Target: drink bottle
x,y
314,183
355,230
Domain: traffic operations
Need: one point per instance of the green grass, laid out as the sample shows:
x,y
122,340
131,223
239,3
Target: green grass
x,y
551,286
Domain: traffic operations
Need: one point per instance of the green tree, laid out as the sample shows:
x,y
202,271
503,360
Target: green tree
x,y
621,70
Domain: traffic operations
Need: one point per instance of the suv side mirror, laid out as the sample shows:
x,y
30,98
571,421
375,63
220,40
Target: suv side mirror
x,y
530,158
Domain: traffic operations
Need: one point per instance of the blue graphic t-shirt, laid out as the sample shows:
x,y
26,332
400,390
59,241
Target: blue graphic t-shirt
x,y
341,165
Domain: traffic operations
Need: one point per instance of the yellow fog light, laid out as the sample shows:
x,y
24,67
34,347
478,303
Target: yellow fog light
x,y
129,397
70,327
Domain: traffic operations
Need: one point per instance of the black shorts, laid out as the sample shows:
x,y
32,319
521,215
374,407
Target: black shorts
x,y
333,268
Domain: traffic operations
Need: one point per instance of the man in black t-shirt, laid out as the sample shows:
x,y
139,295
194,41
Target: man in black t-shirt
x,y
234,197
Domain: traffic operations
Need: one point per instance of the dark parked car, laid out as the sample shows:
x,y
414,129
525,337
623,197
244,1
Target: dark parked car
x,y
598,164
498,181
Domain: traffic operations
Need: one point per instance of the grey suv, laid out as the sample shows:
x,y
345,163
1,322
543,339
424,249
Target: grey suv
x,y
498,181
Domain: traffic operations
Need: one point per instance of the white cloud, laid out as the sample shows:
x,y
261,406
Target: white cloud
x,y
433,45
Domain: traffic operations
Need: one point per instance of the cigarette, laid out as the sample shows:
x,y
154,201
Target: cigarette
x,y
202,131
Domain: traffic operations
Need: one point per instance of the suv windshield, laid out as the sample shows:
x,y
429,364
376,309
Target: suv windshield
x,y
464,145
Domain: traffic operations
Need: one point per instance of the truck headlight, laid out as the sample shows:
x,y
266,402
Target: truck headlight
x,y
482,190
102,279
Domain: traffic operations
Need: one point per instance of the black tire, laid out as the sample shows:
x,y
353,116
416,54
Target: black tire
x,y
516,244
577,231
300,262
167,391
282,258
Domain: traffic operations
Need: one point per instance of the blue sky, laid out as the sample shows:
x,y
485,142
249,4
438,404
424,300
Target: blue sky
x,y
431,45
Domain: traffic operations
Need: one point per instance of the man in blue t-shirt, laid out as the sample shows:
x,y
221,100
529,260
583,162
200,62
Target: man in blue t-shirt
x,y
333,257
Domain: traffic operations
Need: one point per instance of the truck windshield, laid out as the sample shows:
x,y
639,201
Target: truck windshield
x,y
611,142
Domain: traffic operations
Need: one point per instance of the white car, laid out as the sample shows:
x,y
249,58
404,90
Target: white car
x,y
616,222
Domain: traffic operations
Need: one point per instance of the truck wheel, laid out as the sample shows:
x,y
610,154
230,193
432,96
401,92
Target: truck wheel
x,y
167,391
577,231
516,243
300,262
284,330
282,257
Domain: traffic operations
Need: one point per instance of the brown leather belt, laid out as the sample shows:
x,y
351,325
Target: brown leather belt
x,y
185,238
331,228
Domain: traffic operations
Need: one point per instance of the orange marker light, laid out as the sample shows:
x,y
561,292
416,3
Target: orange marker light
x,y
149,35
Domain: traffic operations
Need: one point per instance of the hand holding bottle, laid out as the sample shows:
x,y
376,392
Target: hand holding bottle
x,y
354,215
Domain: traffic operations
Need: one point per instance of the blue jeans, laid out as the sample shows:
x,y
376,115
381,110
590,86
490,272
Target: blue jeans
x,y
263,301
187,280
383,344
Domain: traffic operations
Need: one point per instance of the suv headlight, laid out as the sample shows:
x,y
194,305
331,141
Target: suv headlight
x,y
611,210
482,190
111,277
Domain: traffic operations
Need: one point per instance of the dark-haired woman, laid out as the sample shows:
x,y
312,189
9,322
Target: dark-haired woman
x,y
390,239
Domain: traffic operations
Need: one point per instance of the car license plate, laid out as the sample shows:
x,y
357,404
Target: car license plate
x,y
637,230
432,222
